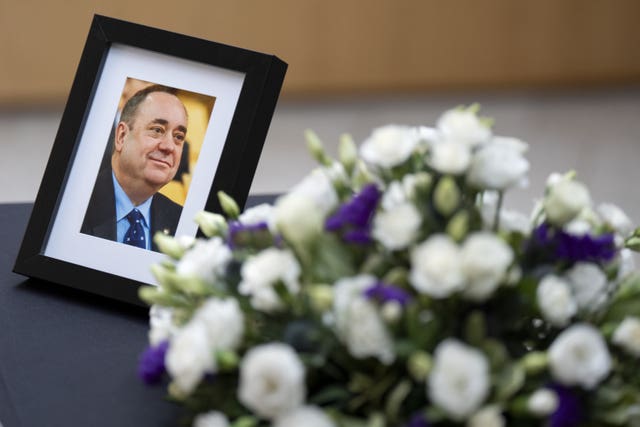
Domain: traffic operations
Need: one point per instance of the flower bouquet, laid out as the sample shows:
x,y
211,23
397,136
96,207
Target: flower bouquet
x,y
390,287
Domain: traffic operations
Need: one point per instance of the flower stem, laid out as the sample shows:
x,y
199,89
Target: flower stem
x,y
496,218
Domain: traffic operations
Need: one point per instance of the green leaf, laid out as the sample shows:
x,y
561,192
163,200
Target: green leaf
x,y
154,295
331,260
396,398
621,309
617,416
509,381
496,352
345,421
475,328
423,330
245,421
334,393
633,243
376,420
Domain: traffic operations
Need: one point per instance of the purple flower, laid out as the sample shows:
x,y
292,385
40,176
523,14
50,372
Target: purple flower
x,y
559,245
585,248
359,237
383,292
569,412
151,366
241,235
418,420
354,217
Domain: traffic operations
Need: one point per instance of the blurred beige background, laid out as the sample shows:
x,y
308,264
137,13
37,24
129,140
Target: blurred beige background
x,y
563,75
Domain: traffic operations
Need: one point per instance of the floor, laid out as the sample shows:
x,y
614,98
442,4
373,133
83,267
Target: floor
x,y
596,132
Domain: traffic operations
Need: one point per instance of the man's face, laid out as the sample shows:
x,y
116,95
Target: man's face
x,y
151,150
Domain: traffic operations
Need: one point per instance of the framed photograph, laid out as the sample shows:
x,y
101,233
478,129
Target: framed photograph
x,y
155,125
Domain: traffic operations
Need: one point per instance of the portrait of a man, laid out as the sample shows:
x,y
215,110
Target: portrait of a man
x,y
125,205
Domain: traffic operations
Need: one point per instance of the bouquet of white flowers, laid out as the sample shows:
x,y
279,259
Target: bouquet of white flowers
x,y
391,288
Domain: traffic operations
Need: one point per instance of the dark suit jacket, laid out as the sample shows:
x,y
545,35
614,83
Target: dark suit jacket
x,y
100,219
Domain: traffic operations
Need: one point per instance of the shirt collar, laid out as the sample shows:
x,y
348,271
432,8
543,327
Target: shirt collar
x,y
124,204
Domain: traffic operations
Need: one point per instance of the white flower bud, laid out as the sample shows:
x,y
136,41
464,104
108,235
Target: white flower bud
x,y
489,416
347,152
627,335
389,146
615,218
211,419
555,300
391,311
229,206
542,402
565,200
211,224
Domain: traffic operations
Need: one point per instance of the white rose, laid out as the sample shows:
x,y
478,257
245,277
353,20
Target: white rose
x,y
389,146
318,188
579,356
207,259
397,227
271,380
427,135
224,322
463,125
161,325
511,143
489,416
497,167
189,356
436,268
577,227
589,285
305,416
565,200
262,213
542,402
297,218
615,218
211,419
393,196
358,322
627,335
459,380
554,178
263,271
555,300
401,192
450,157
485,259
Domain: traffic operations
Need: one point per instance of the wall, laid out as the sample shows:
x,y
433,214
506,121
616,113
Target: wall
x,y
347,47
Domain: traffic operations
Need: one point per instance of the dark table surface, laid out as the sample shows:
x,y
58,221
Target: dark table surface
x,y
69,358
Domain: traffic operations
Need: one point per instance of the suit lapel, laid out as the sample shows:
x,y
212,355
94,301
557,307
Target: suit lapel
x,y
100,217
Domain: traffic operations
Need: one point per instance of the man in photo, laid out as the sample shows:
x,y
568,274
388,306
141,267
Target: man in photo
x,y
125,205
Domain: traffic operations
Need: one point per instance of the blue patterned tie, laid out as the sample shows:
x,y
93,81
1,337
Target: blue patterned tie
x,y
135,234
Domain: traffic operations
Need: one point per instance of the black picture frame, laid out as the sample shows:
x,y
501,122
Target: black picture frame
x,y
260,81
